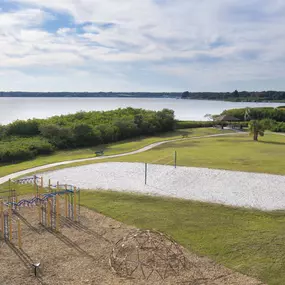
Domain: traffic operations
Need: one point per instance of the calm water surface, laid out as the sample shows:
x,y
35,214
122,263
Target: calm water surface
x,y
12,109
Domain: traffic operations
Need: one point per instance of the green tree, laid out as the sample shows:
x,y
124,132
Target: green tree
x,y
256,128
61,137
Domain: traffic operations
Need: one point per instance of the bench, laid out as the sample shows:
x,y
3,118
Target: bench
x,y
99,152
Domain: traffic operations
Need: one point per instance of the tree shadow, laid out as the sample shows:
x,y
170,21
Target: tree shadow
x,y
272,142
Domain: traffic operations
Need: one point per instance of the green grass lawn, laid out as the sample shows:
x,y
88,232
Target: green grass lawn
x,y
251,242
115,148
229,152
238,152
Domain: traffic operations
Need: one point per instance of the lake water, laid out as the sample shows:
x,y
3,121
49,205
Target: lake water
x,y
12,109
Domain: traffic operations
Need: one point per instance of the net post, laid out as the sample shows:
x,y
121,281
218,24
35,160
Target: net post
x,y
145,174
175,159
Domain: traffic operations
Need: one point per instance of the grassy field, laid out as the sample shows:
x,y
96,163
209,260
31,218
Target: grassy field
x,y
120,147
239,153
230,152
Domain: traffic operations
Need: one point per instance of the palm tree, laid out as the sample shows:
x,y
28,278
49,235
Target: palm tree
x,y
247,114
256,128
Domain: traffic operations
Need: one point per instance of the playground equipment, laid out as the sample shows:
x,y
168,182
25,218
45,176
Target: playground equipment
x,y
147,255
46,199
10,227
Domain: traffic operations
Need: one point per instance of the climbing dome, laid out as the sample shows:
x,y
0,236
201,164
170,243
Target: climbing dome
x,y
147,255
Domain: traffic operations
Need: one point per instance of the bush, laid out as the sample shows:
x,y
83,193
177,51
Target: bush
x,y
60,137
194,124
20,149
81,130
23,128
277,114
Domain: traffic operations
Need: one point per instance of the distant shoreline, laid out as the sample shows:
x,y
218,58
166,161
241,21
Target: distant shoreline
x,y
145,97
243,97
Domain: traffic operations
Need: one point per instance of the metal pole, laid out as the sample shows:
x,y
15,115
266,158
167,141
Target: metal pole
x,y
145,174
175,159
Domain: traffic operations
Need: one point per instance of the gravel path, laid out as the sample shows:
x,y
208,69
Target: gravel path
x,y
242,189
146,148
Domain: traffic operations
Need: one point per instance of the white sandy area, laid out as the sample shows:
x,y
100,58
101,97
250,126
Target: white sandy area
x,y
242,189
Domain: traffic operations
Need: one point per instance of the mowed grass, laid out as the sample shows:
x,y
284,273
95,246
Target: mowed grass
x,y
238,153
110,149
230,152
251,242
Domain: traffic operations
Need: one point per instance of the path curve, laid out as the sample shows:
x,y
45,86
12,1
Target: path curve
x,y
146,148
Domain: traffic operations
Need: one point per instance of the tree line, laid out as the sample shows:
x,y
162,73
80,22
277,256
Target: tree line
x,y
237,96
272,119
22,140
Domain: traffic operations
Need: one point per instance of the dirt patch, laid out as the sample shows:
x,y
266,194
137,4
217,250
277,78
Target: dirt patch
x,y
80,255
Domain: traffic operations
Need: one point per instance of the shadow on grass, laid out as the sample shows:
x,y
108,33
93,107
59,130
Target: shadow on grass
x,y
272,143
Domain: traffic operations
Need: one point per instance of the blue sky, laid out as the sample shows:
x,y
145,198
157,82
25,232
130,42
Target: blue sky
x,y
142,45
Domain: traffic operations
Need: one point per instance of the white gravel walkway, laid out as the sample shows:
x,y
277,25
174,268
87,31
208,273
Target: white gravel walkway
x,y
242,189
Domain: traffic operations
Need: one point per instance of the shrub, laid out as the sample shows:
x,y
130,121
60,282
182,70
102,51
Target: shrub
x,y
23,128
194,124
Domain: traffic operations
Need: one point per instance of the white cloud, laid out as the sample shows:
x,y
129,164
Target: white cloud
x,y
195,41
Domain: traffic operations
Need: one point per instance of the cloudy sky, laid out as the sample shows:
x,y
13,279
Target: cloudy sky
x,y
142,45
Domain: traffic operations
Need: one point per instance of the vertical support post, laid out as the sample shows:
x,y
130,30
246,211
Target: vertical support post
x,y
48,212
19,234
74,204
57,186
10,184
40,214
145,174
57,213
2,218
10,223
78,216
49,186
6,223
66,202
175,159
42,186
35,186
